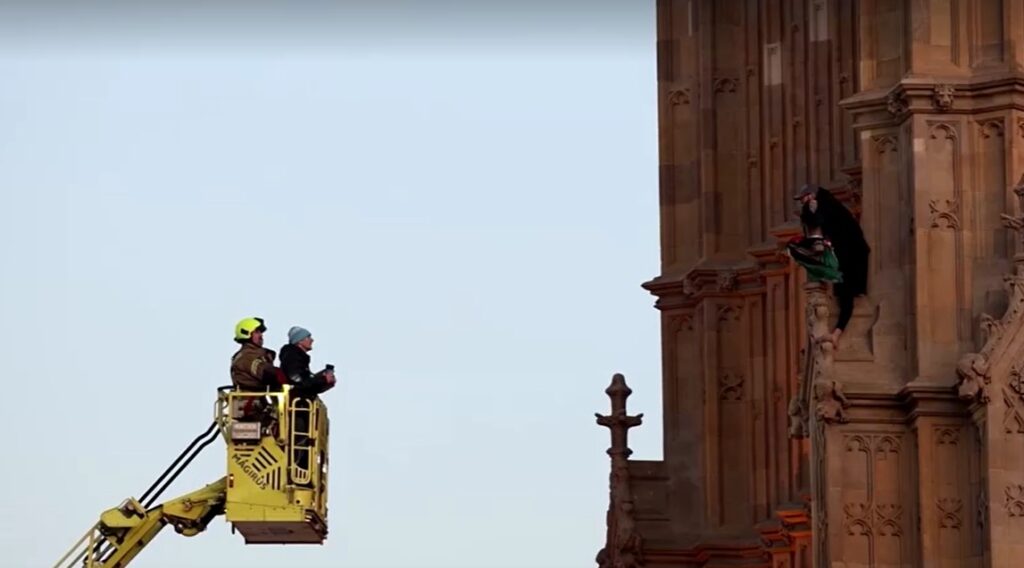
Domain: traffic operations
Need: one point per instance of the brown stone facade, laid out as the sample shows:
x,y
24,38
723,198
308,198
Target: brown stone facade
x,y
903,446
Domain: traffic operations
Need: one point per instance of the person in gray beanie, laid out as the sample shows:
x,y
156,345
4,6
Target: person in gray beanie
x,y
298,334
305,384
295,363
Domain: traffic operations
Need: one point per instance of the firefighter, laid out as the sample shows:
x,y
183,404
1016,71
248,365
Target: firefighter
x,y
252,366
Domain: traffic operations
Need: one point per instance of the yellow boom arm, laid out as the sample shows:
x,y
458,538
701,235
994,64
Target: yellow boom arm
x,y
124,531
275,490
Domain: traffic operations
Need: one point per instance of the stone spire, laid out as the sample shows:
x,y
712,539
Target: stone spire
x,y
623,547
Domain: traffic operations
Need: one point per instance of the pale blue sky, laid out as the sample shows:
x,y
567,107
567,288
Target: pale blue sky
x,y
461,206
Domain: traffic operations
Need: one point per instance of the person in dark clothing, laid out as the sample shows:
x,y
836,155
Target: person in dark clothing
x,y
295,364
824,215
305,385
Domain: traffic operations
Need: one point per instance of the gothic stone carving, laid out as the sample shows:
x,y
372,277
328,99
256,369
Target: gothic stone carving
x,y
831,403
974,378
896,103
943,214
816,386
623,545
797,417
973,368
982,509
1013,421
731,387
943,97
866,519
949,512
679,96
1014,500
885,143
727,281
725,85
992,127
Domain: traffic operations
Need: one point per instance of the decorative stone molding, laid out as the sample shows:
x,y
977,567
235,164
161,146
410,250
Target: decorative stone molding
x,y
973,369
1016,379
943,97
1014,502
678,97
950,512
727,281
885,143
1016,222
623,545
725,85
992,127
869,519
815,385
798,427
872,109
974,377
830,402
944,214
1013,420
896,103
730,387
982,509
690,287
947,436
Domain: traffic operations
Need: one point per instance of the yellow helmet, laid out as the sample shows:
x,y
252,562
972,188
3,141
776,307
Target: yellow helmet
x,y
245,328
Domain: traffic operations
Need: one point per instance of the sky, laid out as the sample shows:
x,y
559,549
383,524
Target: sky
x,y
460,202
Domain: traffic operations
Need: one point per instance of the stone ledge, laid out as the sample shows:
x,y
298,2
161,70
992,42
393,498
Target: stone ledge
x,y
935,95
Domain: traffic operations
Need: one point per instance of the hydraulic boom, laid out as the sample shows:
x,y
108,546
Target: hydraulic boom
x,y
123,531
275,490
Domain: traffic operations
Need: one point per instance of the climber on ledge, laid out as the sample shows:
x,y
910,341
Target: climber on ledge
x,y
826,219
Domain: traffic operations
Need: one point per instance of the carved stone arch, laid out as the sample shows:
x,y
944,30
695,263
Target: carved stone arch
x,y
680,322
948,436
858,443
944,129
885,143
944,213
888,445
729,313
992,127
858,527
678,97
726,85
890,528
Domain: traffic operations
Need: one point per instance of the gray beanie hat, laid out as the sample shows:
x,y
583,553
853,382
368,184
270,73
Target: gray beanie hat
x,y
297,334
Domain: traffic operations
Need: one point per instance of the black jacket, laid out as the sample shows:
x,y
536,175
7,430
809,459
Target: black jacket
x,y
841,228
295,364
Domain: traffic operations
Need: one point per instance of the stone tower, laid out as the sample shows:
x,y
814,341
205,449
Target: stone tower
x,y
904,446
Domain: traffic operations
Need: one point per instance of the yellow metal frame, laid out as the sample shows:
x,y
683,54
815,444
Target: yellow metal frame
x,y
279,478
268,494
123,531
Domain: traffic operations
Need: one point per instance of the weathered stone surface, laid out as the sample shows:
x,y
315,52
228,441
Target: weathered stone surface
x,y
903,445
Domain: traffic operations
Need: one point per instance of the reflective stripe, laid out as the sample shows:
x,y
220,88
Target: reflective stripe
x,y
255,368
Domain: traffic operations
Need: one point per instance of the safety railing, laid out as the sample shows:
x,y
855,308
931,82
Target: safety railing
x,y
303,440
84,552
298,424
